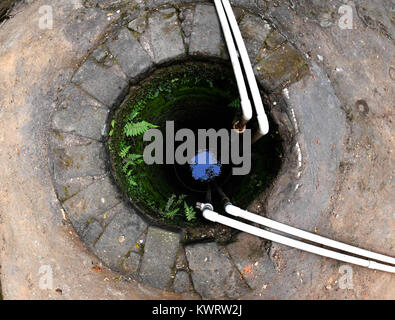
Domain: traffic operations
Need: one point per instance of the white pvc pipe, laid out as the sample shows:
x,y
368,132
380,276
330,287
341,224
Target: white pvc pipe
x,y
256,96
215,217
237,212
244,99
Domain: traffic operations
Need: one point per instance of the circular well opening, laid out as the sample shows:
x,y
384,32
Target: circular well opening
x,y
194,95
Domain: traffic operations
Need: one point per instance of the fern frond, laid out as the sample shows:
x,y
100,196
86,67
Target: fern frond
x,y
132,115
135,129
124,152
190,213
170,202
235,103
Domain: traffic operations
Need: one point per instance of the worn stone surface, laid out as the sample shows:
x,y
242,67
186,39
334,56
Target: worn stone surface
x,y
99,54
91,233
129,54
70,187
108,85
313,102
80,158
254,31
252,260
361,203
97,198
131,264
81,115
182,282
165,36
138,24
213,274
206,38
186,16
282,65
120,236
274,40
160,252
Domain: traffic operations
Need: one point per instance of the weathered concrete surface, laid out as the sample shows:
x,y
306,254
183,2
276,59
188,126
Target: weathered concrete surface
x,y
34,64
359,207
213,273
128,52
80,114
159,257
119,237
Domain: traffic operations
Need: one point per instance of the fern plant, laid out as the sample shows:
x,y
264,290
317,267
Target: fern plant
x,y
133,129
190,212
172,207
235,103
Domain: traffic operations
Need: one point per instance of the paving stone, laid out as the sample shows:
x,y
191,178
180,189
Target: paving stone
x,y
321,122
97,198
108,85
165,35
120,236
213,274
254,31
182,282
131,264
254,5
206,37
99,54
138,24
79,160
104,218
82,115
282,65
181,260
91,233
274,40
69,188
251,259
160,252
186,16
129,54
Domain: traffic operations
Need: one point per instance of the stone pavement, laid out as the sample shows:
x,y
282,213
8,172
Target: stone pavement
x,y
304,92
138,49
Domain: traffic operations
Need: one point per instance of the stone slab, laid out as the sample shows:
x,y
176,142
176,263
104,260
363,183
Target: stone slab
x,y
91,233
165,35
280,66
159,257
129,54
108,85
83,159
97,198
120,236
131,264
254,31
182,282
206,38
252,260
213,274
81,115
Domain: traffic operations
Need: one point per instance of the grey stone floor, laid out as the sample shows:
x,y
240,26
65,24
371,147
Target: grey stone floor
x,y
301,59
129,53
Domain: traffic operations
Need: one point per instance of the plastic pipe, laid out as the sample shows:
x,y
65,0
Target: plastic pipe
x,y
256,96
209,214
244,99
237,212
